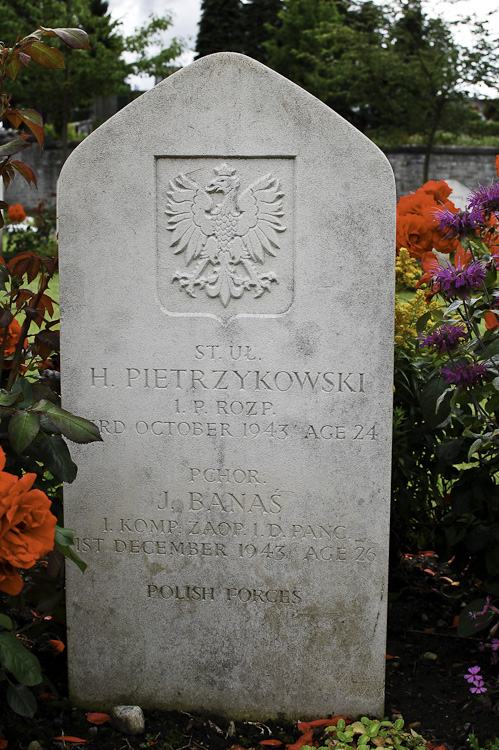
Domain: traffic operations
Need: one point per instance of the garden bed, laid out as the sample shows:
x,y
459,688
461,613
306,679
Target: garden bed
x,y
425,667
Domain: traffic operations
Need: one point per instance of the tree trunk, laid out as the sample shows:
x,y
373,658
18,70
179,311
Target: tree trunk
x,y
431,139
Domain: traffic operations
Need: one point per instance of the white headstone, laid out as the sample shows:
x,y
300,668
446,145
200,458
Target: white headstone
x,y
227,252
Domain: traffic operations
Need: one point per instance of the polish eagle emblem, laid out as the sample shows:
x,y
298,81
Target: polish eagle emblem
x,y
225,233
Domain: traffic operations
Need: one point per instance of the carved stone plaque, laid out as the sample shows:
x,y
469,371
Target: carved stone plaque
x,y
225,235
226,247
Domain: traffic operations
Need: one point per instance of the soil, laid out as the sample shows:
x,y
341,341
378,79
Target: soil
x,y
426,663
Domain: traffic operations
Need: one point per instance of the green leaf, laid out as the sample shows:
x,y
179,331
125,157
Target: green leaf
x,y
441,398
46,56
474,448
452,309
422,322
5,622
399,724
63,540
13,68
56,458
429,398
7,398
21,700
23,428
13,147
74,38
22,385
77,429
18,660
470,625
64,536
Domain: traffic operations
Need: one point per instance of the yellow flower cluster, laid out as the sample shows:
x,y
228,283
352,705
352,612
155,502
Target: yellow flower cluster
x,y
407,270
407,314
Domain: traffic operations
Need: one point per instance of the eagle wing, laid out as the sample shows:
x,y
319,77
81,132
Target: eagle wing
x,y
188,218
261,217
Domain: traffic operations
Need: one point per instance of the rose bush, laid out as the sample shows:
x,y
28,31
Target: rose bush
x,y
32,423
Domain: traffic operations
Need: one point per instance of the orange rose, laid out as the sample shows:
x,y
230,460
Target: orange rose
x,y
27,526
417,220
13,336
16,213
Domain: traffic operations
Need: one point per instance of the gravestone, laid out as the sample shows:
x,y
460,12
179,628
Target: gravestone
x,y
227,252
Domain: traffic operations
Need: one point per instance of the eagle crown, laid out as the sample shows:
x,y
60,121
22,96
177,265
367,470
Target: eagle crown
x,y
225,182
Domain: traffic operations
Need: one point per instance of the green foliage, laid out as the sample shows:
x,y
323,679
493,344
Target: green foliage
x,y
37,236
32,423
369,733
233,26
476,617
418,481
160,64
220,27
70,91
489,745
390,68
259,16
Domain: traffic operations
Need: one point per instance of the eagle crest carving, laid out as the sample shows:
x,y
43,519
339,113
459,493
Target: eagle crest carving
x,y
225,233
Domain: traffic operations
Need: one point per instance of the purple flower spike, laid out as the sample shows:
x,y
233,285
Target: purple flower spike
x,y
458,282
465,375
447,338
485,199
460,224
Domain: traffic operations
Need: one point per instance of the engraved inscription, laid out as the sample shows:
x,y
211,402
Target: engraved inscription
x,y
194,593
230,513
225,232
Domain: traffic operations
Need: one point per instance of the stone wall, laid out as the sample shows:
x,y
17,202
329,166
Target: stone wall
x,y
470,165
467,164
46,164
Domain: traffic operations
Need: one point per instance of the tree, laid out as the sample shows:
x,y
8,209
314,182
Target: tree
x,y
160,64
220,27
258,18
236,26
383,68
289,44
70,93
